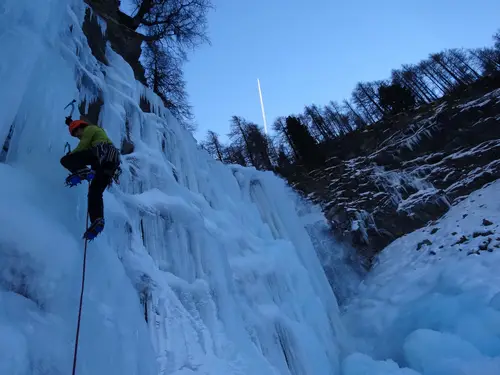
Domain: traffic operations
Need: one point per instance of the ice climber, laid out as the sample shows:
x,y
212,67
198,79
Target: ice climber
x,y
97,151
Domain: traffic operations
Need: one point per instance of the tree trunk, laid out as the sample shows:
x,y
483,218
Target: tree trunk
x,y
371,99
361,119
433,79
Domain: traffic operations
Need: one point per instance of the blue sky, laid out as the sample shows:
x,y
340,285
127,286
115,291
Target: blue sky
x,y
317,50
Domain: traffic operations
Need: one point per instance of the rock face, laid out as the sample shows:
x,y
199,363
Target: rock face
x,y
124,40
408,170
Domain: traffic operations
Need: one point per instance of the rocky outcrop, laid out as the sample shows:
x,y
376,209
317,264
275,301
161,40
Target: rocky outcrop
x,y
124,40
406,171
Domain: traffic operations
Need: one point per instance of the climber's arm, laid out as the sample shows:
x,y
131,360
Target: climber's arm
x,y
86,140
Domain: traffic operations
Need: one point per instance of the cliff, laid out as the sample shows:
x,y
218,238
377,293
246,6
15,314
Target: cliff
x,y
391,178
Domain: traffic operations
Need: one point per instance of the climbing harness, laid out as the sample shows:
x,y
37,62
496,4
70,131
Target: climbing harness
x,y
109,160
75,354
107,154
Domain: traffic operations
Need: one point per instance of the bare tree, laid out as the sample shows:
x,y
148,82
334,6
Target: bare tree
x,y
165,77
321,125
440,60
436,86
369,92
260,147
339,117
496,40
177,24
273,149
239,136
364,98
307,148
213,145
169,29
304,139
357,119
395,98
413,78
234,155
250,138
488,60
462,62
283,136
283,162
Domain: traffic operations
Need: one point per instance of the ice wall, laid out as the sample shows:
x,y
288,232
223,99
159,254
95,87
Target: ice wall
x,y
343,266
202,268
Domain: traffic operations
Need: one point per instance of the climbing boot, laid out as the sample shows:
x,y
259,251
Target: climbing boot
x,y
80,175
95,228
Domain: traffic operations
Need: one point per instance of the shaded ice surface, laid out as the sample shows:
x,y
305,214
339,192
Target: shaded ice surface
x,y
343,267
202,268
431,304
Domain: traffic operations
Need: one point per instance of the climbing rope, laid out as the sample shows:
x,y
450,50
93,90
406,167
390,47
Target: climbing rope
x,y
75,354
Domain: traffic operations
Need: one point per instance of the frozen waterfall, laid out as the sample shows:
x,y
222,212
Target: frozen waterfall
x,y
202,268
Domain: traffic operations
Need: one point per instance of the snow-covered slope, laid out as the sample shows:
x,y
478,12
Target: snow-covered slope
x,y
432,300
202,268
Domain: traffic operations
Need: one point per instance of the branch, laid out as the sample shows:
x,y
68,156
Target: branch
x,y
145,8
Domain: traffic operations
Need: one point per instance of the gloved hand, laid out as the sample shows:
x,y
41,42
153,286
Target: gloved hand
x,y
68,120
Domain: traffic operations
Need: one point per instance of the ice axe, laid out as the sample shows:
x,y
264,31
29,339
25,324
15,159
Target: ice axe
x,y
67,146
72,105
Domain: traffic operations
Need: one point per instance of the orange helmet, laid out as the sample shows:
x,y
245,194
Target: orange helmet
x,y
75,125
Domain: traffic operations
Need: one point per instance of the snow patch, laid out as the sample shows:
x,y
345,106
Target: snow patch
x,y
431,300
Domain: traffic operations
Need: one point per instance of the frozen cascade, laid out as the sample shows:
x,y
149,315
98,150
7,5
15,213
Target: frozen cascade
x,y
344,267
202,268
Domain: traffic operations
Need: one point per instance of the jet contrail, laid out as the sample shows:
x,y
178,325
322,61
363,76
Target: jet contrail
x,y
262,107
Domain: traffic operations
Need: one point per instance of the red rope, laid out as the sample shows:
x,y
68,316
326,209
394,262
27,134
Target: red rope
x,y
75,354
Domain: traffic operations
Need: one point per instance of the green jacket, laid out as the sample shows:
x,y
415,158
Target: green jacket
x,y
92,136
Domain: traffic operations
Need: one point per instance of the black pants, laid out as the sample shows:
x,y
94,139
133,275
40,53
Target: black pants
x,y
103,178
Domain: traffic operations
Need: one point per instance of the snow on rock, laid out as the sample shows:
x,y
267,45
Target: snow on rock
x,y
202,268
400,173
431,302
481,101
